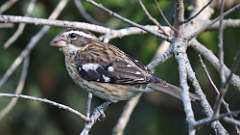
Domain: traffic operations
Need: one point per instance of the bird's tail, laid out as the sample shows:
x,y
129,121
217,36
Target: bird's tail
x,y
169,89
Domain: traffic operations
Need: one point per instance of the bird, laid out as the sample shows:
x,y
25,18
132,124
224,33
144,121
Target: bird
x,y
106,71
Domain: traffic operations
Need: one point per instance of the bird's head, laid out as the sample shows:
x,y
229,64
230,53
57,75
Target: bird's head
x,y
73,39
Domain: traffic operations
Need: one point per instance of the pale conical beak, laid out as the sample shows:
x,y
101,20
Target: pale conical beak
x,y
59,41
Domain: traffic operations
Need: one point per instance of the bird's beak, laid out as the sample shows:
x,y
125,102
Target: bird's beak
x,y
59,41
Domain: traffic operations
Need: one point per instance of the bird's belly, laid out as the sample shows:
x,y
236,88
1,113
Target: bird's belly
x,y
112,92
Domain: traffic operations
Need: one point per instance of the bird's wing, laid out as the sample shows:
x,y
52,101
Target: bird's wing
x,y
111,66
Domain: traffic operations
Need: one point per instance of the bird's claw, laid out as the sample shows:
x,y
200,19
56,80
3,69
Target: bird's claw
x,y
102,114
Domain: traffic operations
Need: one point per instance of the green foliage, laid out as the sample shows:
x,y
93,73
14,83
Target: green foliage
x,y
48,78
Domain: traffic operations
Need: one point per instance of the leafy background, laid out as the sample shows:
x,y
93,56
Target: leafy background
x,y
156,114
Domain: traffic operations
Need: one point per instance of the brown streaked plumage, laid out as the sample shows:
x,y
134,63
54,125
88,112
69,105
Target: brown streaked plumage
x,y
105,70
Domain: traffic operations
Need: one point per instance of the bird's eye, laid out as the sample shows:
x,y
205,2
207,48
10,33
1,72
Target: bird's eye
x,y
73,35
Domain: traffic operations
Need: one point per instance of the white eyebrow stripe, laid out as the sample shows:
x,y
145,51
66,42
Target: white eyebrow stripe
x,y
81,34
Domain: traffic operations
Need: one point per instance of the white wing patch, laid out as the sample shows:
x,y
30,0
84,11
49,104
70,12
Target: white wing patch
x,y
105,78
90,66
138,73
128,65
110,69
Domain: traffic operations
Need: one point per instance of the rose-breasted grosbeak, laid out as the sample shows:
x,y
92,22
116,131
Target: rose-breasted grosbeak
x,y
105,70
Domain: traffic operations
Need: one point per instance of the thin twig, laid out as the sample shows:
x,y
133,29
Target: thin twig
x,y
225,86
19,89
53,22
217,106
208,75
158,34
212,119
199,12
81,25
209,55
8,4
125,116
85,15
208,25
6,25
163,16
97,113
130,31
226,105
162,57
44,100
88,114
182,59
179,12
88,106
150,17
216,125
32,43
232,121
21,26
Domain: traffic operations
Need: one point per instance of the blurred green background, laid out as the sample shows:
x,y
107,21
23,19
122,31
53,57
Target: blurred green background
x,y
156,114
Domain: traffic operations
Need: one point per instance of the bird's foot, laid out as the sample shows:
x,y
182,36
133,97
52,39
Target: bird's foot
x,y
101,110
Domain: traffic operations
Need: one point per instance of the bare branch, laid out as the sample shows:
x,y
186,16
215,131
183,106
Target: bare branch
x,y
151,17
99,111
32,43
212,119
21,26
158,34
209,24
82,11
232,121
125,116
179,12
130,31
199,12
60,106
163,16
208,55
217,106
162,57
216,125
89,102
226,105
6,25
208,75
224,88
227,23
53,22
19,89
8,4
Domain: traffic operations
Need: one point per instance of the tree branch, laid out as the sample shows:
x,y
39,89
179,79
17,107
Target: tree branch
x,y
35,39
208,55
125,116
21,26
19,89
99,111
60,106
158,34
